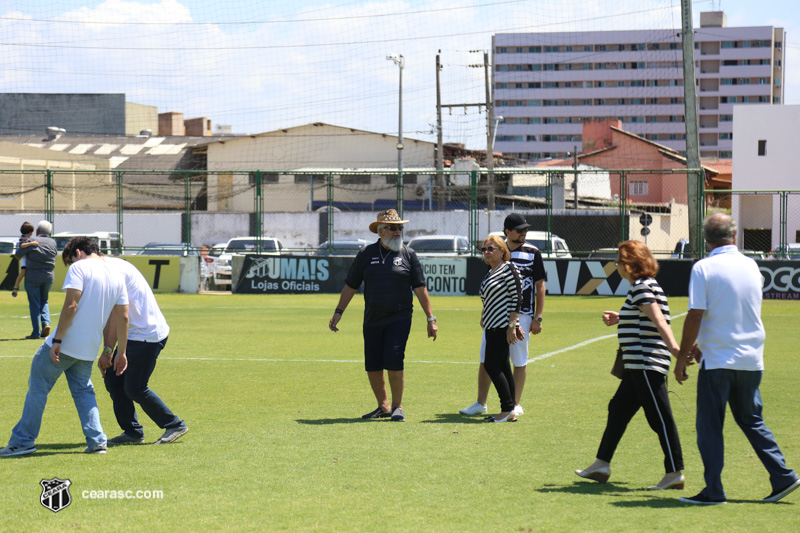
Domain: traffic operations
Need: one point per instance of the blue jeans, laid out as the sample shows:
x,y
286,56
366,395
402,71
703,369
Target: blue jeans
x,y
739,388
37,302
131,387
44,375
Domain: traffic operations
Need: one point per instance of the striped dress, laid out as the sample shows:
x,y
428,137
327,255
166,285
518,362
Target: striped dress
x,y
642,346
501,293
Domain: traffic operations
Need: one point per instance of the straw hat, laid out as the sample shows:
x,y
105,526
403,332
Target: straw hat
x,y
389,216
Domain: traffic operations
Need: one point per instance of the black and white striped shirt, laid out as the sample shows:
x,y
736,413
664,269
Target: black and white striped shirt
x,y
501,293
642,346
528,261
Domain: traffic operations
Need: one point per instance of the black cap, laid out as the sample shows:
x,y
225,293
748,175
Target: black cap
x,y
516,221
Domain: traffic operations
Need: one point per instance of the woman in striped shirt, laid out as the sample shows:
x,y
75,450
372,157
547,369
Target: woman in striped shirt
x,y
501,293
646,341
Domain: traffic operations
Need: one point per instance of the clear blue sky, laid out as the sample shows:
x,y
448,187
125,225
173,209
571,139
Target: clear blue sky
x,y
260,65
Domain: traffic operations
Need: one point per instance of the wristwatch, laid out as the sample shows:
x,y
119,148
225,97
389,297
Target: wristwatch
x,y
108,349
538,319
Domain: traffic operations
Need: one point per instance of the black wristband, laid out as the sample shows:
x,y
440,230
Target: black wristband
x,y
337,310
56,341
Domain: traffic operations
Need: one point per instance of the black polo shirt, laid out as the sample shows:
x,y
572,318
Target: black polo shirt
x,y
389,279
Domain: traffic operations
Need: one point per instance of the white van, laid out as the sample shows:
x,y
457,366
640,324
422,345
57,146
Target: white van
x,y
110,243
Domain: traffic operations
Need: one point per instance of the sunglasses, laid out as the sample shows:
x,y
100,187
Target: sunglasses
x,y
394,227
489,249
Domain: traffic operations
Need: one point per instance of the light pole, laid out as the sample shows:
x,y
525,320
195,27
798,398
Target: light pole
x,y
400,61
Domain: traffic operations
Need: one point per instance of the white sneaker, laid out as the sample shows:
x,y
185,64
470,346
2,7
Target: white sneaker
x,y
474,409
518,410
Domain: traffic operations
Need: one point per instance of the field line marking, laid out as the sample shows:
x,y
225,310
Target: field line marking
x,y
275,360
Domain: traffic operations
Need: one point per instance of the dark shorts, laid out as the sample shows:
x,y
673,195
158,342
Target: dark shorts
x,y
385,346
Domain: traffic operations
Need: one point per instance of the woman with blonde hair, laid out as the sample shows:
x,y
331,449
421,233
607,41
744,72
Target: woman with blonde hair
x,y
501,293
646,341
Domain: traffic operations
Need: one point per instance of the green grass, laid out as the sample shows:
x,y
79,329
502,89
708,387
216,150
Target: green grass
x,y
274,399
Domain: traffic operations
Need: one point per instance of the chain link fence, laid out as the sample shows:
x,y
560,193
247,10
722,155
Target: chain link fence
x,y
588,210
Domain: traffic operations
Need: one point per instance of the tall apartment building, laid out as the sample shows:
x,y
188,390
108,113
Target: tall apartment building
x,y
547,84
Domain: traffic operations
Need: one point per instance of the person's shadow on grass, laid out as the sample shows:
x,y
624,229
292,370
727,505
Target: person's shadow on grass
x,y
43,450
455,418
327,421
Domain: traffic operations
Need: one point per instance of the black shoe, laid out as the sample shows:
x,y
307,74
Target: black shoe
x,y
702,499
33,337
398,415
378,413
778,494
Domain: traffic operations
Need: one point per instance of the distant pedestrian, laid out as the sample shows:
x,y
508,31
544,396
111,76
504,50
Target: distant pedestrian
x,y
40,263
725,292
390,272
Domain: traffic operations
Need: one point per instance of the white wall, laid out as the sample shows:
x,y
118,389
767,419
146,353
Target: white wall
x,y
774,171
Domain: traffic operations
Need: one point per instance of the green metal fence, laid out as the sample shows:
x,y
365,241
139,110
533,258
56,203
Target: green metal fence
x,y
590,209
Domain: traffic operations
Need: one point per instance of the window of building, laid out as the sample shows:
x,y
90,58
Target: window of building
x,y
637,188
762,148
530,138
266,177
518,50
502,50
600,48
355,179
316,179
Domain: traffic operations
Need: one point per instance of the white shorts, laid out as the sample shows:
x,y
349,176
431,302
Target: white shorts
x,y
519,350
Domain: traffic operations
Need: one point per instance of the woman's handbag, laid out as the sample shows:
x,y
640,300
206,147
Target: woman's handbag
x,y
619,366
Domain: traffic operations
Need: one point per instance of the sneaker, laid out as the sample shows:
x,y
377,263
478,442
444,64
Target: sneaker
x,y
10,451
125,439
778,494
100,448
378,413
474,409
702,499
173,434
32,337
398,415
518,410
46,330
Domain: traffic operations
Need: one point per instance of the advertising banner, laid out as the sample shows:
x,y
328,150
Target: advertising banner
x,y
462,276
161,272
261,274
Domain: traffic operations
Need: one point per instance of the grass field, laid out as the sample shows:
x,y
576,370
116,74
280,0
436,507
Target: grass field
x,y
273,400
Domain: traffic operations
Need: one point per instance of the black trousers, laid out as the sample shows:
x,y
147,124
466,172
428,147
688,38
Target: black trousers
x,y
498,366
646,389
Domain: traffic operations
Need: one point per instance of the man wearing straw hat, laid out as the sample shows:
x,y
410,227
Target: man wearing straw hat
x,y
389,271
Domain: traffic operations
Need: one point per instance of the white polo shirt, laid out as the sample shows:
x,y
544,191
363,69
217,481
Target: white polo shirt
x,y
146,321
101,289
728,287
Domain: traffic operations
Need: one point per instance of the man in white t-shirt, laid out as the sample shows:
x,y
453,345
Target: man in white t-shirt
x,y
93,292
724,317
147,336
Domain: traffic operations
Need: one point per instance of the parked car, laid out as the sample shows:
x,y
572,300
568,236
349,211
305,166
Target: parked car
x,y
440,245
557,246
109,241
791,252
241,246
604,254
8,245
683,250
161,248
342,247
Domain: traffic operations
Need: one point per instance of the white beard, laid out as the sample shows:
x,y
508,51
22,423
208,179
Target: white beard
x,y
392,243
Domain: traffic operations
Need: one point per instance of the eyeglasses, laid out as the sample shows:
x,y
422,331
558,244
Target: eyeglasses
x,y
394,227
489,249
